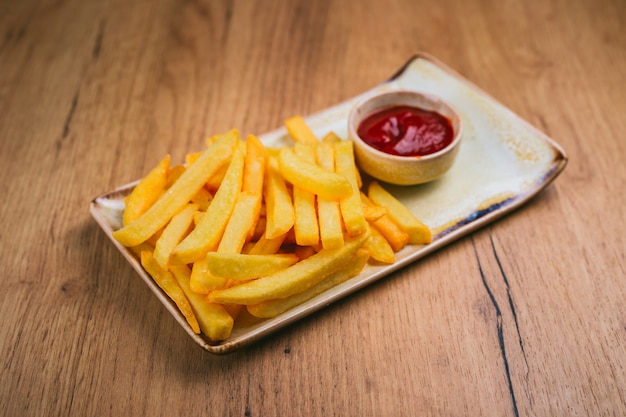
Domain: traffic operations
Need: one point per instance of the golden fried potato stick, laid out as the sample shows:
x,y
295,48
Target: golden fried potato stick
x,y
279,215
329,213
299,130
306,227
272,308
170,286
418,232
147,191
190,158
206,235
379,248
351,206
216,323
241,220
178,195
373,212
202,281
173,233
311,177
396,237
331,137
233,240
244,267
265,246
175,172
203,198
253,174
292,280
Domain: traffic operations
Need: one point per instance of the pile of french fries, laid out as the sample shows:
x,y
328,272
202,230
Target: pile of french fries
x,y
240,225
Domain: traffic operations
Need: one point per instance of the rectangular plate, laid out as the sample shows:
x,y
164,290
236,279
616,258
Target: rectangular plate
x,y
502,163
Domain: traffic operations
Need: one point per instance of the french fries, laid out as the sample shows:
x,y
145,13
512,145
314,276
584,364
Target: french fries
x,y
177,196
245,226
147,192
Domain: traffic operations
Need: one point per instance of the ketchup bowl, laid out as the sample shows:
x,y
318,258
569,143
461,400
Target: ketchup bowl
x,y
405,137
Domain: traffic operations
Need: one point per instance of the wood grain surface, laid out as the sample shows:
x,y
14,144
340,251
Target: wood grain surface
x,y
526,317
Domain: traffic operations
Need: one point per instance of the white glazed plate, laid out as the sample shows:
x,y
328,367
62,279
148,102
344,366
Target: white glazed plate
x,y
503,162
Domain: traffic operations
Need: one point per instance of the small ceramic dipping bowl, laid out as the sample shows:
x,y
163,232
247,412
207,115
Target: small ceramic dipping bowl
x,y
402,169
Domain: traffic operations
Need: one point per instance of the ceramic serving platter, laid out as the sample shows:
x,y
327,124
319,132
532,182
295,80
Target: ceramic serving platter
x,y
502,163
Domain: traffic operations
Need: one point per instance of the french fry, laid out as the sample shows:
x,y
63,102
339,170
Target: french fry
x,y
177,196
272,308
244,267
372,212
330,221
173,233
203,198
396,237
292,280
190,158
279,215
265,246
379,248
306,226
331,137
418,232
351,206
253,173
299,130
170,286
175,172
240,222
202,281
232,242
311,177
215,322
208,232
147,191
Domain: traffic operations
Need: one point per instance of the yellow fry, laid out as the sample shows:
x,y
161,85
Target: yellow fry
x,y
177,196
240,223
208,232
203,198
173,233
170,286
331,137
299,130
379,248
265,246
244,267
306,227
329,213
396,237
280,215
418,232
351,206
273,308
175,172
372,212
147,191
214,321
290,281
311,177
253,174
190,158
202,281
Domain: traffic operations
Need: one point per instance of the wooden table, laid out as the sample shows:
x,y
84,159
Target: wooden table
x,y
524,317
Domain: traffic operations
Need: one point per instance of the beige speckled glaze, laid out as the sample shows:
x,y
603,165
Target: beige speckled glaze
x,y
404,170
503,162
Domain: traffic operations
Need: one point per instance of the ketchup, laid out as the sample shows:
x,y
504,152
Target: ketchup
x,y
406,131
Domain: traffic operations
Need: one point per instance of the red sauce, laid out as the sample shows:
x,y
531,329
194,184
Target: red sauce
x,y
406,131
